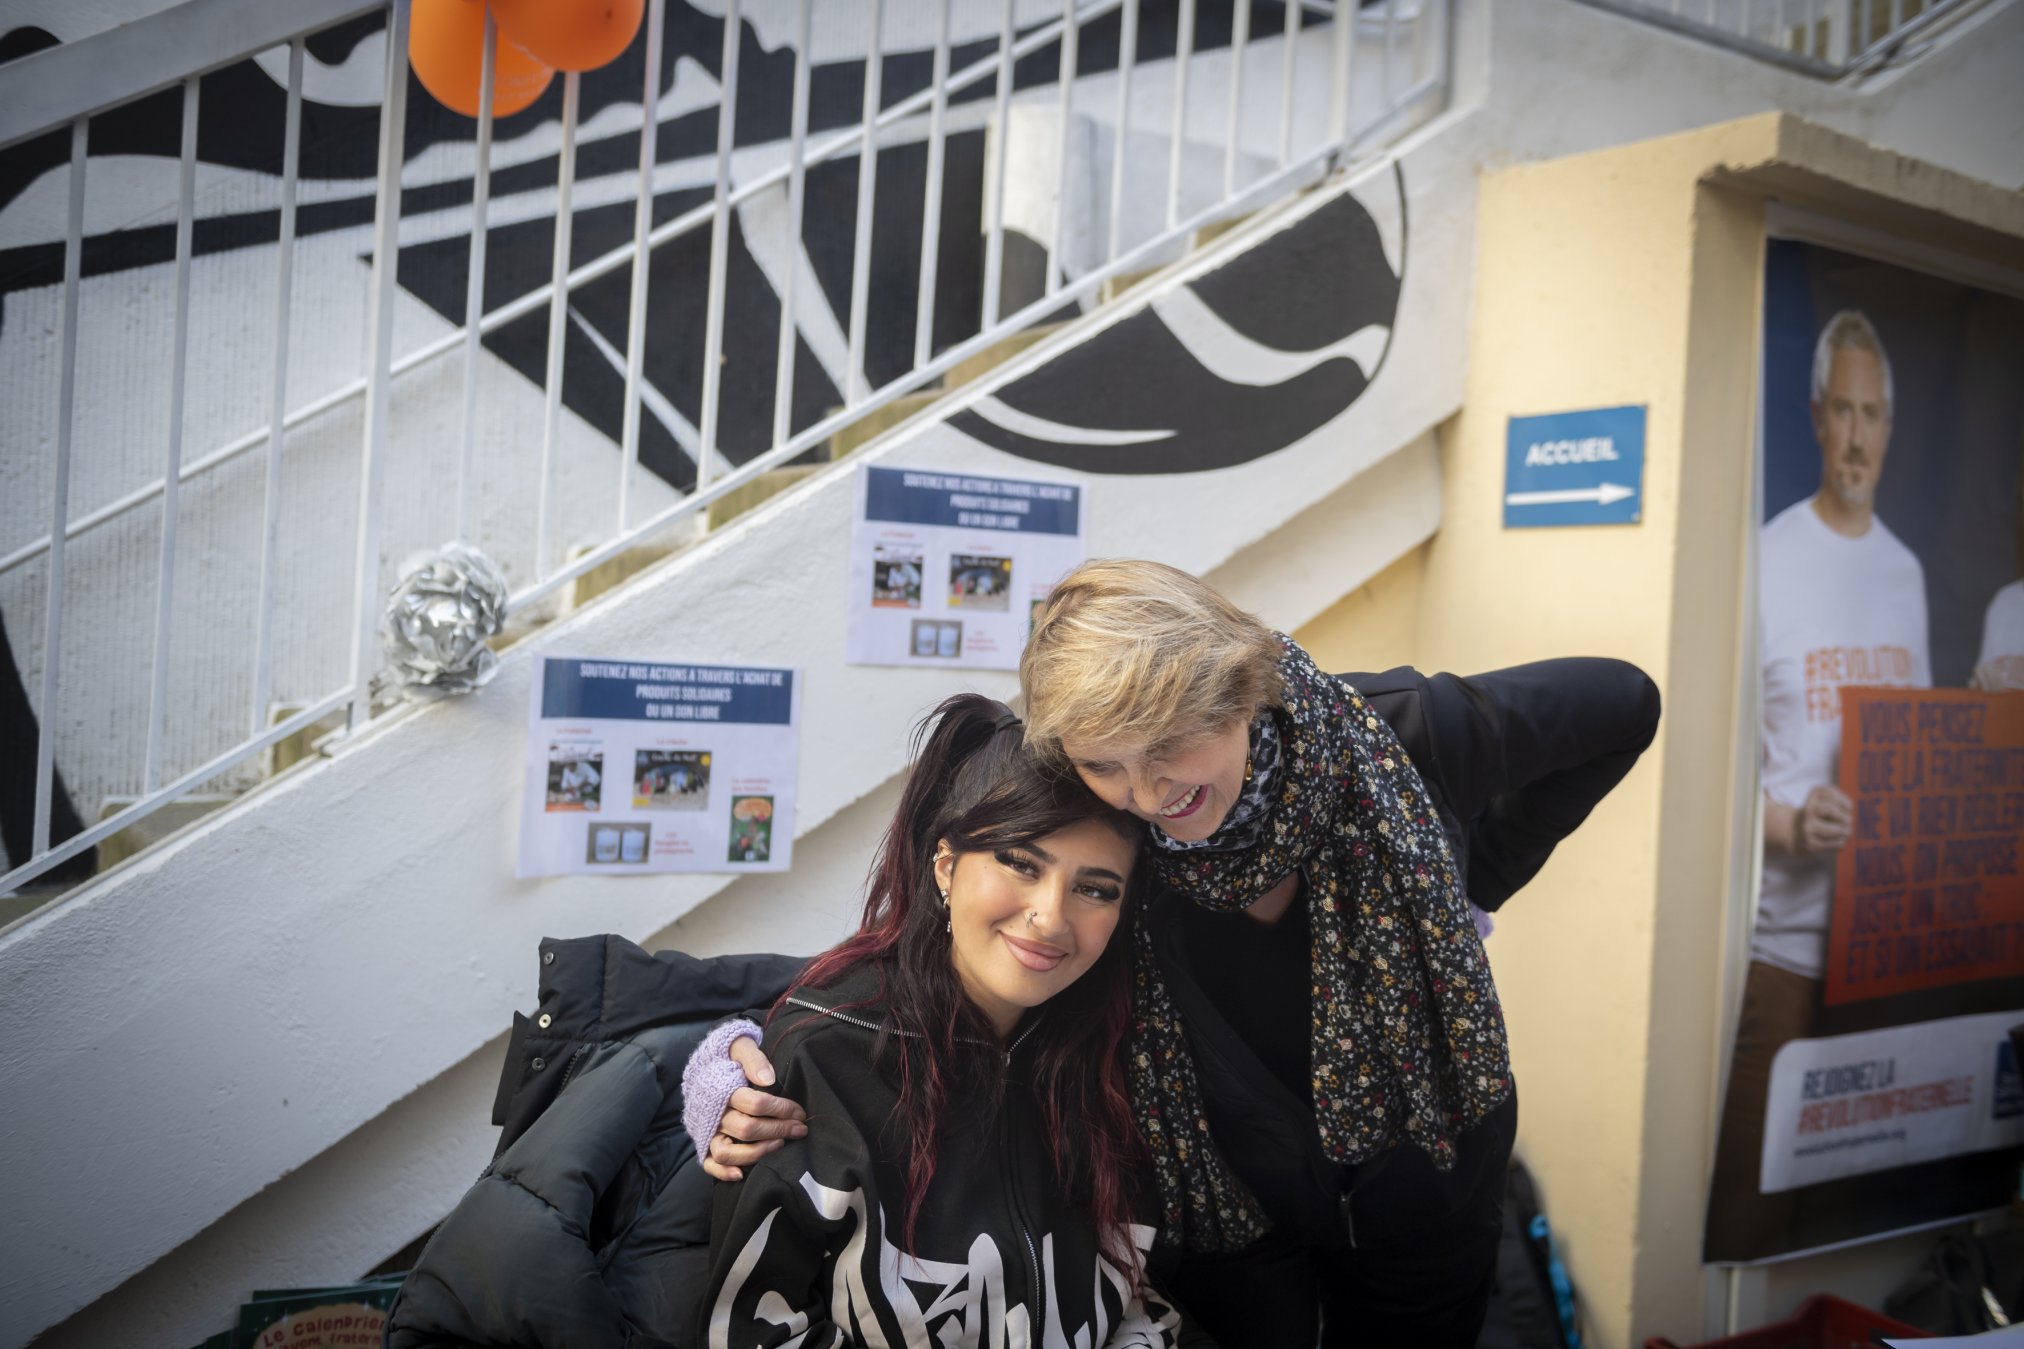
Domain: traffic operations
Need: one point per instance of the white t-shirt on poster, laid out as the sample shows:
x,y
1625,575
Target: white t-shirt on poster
x,y
1834,612
2003,625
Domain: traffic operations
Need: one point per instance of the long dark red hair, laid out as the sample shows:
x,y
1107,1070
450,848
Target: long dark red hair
x,y
974,784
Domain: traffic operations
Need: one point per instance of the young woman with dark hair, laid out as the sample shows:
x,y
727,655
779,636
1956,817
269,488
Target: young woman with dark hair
x,y
969,1181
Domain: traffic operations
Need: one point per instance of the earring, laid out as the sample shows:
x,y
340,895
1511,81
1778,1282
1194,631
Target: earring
x,y
1247,768
948,922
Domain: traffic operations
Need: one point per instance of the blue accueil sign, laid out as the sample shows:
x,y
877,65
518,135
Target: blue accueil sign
x,y
1575,468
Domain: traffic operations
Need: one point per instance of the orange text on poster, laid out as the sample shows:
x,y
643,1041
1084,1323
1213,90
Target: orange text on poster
x,y
1929,889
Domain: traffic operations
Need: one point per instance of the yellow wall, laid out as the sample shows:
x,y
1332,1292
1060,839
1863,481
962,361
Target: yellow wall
x,y
1583,297
1375,626
1628,276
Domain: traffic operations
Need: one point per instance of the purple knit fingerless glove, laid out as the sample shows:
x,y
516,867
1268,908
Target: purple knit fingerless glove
x,y
709,1078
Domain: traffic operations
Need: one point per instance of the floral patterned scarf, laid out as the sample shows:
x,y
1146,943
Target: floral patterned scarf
x,y
1408,1035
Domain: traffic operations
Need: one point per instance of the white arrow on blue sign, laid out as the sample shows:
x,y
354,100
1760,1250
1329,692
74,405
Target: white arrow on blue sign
x,y
1575,468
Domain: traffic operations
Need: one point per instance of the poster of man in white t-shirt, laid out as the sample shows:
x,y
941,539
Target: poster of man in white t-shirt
x,y
1871,1088
1842,603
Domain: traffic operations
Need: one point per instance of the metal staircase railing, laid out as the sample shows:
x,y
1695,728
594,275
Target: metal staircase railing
x,y
1827,39
60,91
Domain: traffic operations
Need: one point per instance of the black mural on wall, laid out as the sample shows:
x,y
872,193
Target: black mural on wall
x,y
1305,289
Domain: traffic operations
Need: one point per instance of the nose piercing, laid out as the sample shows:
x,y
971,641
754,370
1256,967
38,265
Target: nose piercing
x,y
1033,918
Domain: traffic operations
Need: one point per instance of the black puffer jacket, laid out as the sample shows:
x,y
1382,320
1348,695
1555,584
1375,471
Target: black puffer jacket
x,y
807,1249
591,1226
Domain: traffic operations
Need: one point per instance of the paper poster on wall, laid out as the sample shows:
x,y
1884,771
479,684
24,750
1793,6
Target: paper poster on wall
x,y
635,768
1891,664
947,568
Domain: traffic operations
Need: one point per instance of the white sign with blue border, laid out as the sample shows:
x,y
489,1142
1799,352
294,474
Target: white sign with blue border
x,y
947,569
637,767
1575,468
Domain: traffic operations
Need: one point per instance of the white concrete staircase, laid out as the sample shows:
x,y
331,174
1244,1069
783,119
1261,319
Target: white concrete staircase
x,y
262,1052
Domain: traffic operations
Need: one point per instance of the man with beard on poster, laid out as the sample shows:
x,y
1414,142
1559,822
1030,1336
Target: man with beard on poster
x,y
1843,604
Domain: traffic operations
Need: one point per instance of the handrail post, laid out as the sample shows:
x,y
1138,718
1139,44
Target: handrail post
x,y
284,298
1240,38
66,407
931,197
1127,61
1289,35
378,364
558,317
857,382
720,252
642,260
994,232
797,181
474,281
1070,46
179,379
1184,50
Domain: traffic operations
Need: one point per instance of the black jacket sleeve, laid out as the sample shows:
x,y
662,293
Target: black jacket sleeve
x,y
604,988
1524,754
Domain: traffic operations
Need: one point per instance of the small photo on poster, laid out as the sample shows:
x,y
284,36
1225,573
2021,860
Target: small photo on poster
x,y
751,828
979,581
671,779
896,572
930,545
616,844
575,775
937,639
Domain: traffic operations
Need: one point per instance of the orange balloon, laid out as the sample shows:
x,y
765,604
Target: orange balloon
x,y
570,34
446,48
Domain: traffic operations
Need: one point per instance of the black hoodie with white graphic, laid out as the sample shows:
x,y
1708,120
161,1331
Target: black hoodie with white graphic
x,y
805,1250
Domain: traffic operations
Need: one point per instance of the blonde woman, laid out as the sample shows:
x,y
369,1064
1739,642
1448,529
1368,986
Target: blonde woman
x,y
1318,1065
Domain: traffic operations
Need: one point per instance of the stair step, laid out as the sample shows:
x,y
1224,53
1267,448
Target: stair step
x,y
878,422
143,834
609,575
284,754
768,484
1125,281
973,368
1216,229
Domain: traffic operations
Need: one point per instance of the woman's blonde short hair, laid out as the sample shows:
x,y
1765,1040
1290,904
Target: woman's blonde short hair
x,y
1142,654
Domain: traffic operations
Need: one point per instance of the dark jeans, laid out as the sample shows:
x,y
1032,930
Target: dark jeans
x,y
1419,1276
